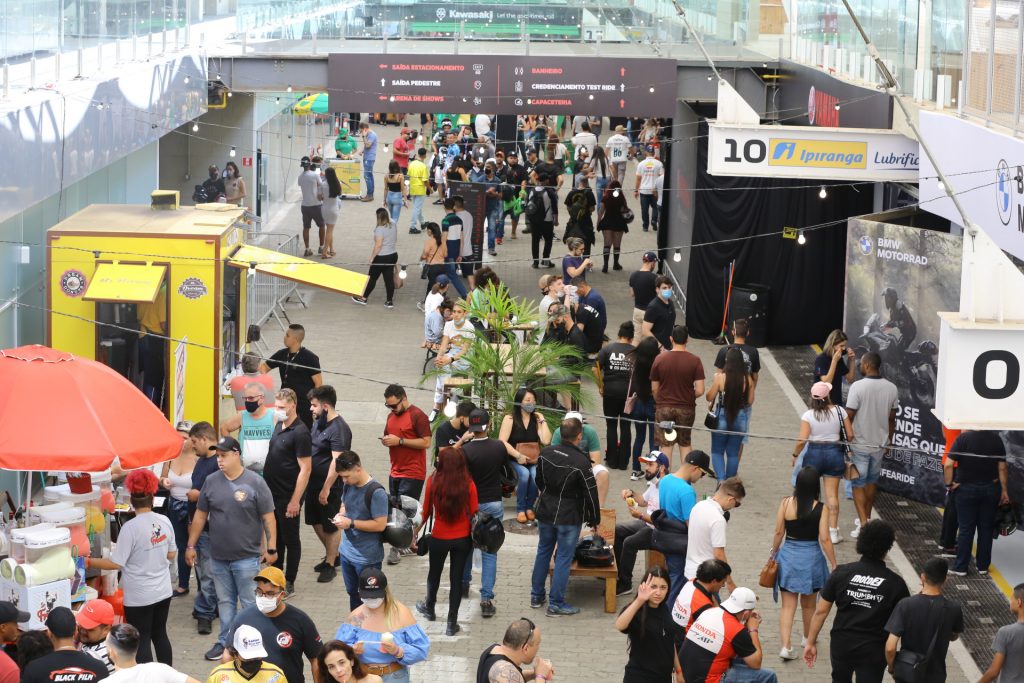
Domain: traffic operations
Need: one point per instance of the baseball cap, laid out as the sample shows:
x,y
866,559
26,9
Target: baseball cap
x,y
372,583
649,148
821,390
574,415
478,420
651,256
95,613
9,613
741,599
442,279
558,312
248,642
700,460
271,575
620,129
183,426
656,456
445,122
61,622
226,443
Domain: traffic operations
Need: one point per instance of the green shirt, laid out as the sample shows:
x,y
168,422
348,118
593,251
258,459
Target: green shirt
x,y
345,146
591,441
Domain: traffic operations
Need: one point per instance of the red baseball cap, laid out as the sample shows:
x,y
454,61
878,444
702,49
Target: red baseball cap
x,y
95,613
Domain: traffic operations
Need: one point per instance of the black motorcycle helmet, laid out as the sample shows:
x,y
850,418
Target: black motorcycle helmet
x,y
1005,522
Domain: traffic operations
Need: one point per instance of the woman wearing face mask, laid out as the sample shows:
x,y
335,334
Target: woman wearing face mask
x,y
144,547
177,478
527,431
449,502
382,631
234,186
653,636
248,662
341,664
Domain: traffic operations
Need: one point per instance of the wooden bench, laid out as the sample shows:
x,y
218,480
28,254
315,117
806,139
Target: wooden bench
x,y
610,574
454,384
654,559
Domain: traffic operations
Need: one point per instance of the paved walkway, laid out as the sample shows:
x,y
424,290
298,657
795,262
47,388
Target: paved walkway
x,y
364,348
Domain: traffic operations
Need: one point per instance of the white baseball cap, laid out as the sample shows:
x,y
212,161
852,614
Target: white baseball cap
x,y
741,599
249,643
573,415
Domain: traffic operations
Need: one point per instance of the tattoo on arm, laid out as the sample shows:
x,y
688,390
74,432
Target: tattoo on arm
x,y
504,672
356,620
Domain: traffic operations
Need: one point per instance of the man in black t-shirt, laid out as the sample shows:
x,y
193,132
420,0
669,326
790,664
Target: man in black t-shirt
x,y
299,368
643,287
740,330
616,363
66,664
981,486
486,458
913,623
865,593
660,316
452,431
287,473
330,436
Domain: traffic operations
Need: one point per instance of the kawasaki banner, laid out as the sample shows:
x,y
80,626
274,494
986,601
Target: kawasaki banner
x,y
897,279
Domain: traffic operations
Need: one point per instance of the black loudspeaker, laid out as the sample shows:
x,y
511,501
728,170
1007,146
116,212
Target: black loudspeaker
x,y
753,302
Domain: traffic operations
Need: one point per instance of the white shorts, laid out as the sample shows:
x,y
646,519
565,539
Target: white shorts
x,y
599,468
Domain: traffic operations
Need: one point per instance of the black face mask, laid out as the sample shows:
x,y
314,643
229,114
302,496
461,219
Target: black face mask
x,y
250,667
252,406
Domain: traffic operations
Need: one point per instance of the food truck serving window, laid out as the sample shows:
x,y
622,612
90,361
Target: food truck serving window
x,y
125,283
300,270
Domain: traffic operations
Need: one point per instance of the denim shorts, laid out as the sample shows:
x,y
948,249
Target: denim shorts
x,y
869,465
827,458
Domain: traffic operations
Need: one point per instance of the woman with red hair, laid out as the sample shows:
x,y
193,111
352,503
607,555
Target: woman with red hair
x,y
449,502
144,549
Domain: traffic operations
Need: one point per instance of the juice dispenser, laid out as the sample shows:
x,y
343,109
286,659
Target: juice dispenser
x,y
47,557
72,518
95,519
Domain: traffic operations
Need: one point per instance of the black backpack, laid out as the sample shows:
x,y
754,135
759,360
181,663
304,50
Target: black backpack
x,y
578,209
594,551
535,207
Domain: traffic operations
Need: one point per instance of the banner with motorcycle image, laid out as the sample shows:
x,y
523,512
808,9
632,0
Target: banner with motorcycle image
x,y
897,279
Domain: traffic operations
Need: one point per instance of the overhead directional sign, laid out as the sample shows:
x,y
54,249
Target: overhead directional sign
x,y
815,153
501,85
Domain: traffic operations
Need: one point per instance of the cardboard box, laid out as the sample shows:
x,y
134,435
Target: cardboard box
x,y
39,600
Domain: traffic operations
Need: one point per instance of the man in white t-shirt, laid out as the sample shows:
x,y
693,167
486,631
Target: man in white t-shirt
x,y
634,535
618,150
871,404
456,339
123,645
482,123
708,527
647,173
467,264
584,140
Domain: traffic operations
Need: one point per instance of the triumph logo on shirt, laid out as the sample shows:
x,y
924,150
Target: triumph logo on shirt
x,y
285,639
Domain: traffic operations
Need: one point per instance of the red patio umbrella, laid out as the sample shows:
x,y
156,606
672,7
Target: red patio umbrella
x,y
59,412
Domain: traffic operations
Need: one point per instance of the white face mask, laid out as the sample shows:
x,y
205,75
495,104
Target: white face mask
x,y
373,603
266,605
280,415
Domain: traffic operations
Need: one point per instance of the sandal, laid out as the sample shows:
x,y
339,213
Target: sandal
x,y
530,516
521,518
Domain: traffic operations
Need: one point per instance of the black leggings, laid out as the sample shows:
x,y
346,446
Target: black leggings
x,y
432,272
289,547
460,550
151,620
620,432
541,230
383,265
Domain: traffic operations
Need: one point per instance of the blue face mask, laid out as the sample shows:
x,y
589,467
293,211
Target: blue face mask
x,y
665,293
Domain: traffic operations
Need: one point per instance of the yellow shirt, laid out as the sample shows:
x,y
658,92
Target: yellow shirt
x,y
227,673
417,178
153,317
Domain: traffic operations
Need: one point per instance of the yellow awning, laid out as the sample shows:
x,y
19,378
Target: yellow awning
x,y
300,270
125,283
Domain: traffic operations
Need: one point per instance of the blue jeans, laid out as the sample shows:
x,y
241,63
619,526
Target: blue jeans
x,y
728,445
676,565
643,411
565,536
489,561
526,490
452,267
599,187
350,574
177,512
368,175
976,511
234,584
495,227
417,211
649,210
393,200
739,672
205,605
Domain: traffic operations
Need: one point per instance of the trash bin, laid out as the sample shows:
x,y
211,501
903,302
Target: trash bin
x,y
753,302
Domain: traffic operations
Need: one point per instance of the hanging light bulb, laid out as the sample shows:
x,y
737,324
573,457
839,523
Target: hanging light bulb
x,y
678,256
289,88
230,94
187,80
837,106
385,147
615,193
450,408
277,100
252,268
821,194
402,274
232,153
195,127
800,239
652,88
940,184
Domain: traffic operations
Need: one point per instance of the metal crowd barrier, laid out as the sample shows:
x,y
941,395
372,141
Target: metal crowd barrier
x,y
267,294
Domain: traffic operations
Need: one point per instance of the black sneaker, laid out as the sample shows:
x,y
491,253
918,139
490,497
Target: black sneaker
x,y
452,628
214,653
320,566
547,264
947,552
327,575
414,231
359,300
537,603
465,589
487,609
289,588
204,627
562,611
623,588
389,304
426,610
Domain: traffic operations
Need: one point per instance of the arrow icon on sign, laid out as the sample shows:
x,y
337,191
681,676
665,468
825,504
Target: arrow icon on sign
x,y
622,87
382,82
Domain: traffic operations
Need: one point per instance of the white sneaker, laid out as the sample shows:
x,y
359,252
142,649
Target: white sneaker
x,y
834,535
787,653
856,528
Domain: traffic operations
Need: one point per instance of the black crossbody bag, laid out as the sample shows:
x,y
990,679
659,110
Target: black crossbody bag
x,y
912,667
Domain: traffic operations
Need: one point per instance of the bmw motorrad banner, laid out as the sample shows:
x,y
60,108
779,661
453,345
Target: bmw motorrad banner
x,y
897,279
805,152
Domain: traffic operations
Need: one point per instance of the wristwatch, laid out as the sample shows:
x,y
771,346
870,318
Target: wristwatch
x,y
272,550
